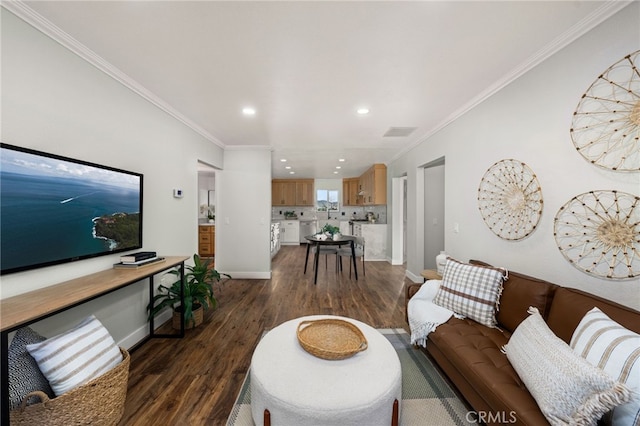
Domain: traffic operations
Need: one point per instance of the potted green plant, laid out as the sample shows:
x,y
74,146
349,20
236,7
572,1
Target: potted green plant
x,y
198,293
330,229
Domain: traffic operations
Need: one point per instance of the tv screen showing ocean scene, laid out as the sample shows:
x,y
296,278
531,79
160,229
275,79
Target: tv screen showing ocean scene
x,y
55,209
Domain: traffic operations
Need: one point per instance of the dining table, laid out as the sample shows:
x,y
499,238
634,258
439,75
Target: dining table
x,y
329,241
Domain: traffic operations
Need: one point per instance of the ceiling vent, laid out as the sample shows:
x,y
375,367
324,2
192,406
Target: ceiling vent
x,y
399,132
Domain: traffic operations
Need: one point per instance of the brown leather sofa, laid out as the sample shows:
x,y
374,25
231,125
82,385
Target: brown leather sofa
x,y
469,353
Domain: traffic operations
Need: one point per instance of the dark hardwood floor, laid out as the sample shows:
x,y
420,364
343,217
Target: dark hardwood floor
x,y
195,380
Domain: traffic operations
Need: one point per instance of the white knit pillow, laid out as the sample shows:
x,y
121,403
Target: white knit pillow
x,y
77,356
616,350
567,388
471,290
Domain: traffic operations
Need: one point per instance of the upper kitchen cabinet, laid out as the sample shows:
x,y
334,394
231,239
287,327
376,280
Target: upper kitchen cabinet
x,y
350,189
292,192
374,185
304,192
283,192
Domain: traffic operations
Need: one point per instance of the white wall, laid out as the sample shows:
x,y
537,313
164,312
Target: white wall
x,y
528,120
243,214
54,101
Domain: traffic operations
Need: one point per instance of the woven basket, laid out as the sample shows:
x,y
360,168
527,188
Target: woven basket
x,y
198,317
331,338
98,402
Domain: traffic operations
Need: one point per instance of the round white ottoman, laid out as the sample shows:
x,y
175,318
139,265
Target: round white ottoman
x,y
300,389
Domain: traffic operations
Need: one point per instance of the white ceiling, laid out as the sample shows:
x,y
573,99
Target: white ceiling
x,y
307,66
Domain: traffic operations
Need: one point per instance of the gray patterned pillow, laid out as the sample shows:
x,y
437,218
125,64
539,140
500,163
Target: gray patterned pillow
x,y
24,374
471,290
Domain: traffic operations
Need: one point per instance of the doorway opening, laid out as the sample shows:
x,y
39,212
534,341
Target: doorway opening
x,y
434,185
206,210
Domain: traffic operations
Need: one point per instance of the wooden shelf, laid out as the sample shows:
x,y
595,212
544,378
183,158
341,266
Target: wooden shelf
x,y
30,307
27,308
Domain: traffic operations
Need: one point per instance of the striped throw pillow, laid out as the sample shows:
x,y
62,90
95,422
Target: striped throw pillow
x,y
568,389
616,350
471,290
77,356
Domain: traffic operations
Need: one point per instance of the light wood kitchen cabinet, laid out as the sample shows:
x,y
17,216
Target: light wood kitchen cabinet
x,y
350,188
283,192
292,192
206,240
304,192
374,185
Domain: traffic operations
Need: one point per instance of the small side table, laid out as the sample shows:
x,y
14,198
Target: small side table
x,y
431,274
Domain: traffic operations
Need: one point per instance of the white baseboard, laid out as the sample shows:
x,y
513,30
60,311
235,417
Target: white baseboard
x,y
142,332
249,275
414,278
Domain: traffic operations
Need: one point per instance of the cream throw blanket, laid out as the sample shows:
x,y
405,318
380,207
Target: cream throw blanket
x,y
424,315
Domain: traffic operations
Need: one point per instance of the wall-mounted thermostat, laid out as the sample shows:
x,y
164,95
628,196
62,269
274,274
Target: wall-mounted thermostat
x,y
177,193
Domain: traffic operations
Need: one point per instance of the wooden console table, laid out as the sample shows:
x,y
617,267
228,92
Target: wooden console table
x,y
27,308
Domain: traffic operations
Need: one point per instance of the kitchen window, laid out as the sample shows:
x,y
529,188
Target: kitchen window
x,y
327,200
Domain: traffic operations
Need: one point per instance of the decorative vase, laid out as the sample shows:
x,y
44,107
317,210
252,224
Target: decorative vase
x,y
198,316
337,236
441,260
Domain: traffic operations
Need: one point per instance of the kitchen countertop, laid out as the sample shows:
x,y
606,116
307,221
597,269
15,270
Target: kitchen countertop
x,y
307,219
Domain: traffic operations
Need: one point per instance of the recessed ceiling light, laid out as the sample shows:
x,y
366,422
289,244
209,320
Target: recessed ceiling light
x,y
249,111
292,172
338,167
363,111
284,160
335,173
342,160
287,167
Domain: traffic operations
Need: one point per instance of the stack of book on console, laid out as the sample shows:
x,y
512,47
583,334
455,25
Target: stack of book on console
x,y
135,260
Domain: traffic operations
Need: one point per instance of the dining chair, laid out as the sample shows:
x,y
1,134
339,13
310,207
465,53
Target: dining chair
x,y
326,250
346,252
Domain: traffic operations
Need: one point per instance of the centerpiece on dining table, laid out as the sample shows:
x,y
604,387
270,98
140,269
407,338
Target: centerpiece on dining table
x,y
329,232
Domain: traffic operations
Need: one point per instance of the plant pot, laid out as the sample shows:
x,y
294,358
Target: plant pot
x,y
198,315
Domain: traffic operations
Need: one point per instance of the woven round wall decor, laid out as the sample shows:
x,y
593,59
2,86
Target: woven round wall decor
x,y
599,233
510,199
606,124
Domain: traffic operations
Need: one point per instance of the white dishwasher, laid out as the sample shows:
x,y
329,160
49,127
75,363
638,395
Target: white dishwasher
x,y
307,227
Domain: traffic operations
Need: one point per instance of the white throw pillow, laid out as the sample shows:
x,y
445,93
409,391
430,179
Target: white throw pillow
x,y
471,290
567,388
616,350
77,356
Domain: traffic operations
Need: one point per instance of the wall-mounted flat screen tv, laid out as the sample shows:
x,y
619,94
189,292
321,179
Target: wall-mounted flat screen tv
x,y
55,209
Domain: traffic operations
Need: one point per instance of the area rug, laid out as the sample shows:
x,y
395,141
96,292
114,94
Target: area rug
x,y
427,399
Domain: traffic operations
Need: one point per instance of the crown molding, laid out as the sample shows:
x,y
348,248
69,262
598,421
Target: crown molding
x,y
248,148
31,17
598,16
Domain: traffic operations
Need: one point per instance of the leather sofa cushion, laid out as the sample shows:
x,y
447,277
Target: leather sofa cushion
x,y
570,305
519,292
475,351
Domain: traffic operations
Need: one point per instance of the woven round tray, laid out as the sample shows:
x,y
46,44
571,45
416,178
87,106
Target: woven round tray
x,y
331,338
